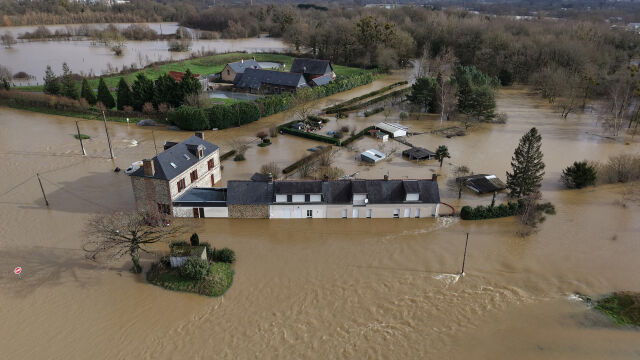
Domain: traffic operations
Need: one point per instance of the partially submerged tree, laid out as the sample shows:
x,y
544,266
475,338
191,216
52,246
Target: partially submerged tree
x,y
104,95
302,103
127,233
456,183
8,40
579,175
271,169
67,84
442,152
424,94
51,82
527,165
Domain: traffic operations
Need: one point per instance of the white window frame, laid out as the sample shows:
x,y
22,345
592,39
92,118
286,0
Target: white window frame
x,y
297,198
281,198
315,198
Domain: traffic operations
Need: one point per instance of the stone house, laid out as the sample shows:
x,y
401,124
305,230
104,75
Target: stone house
x,y
229,72
193,163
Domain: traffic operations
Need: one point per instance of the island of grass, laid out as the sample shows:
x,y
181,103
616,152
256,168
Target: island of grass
x,y
622,307
215,283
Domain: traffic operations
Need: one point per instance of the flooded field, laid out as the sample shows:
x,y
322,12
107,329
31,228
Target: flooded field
x,y
319,288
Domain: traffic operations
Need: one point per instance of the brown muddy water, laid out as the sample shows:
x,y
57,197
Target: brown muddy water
x,y
318,288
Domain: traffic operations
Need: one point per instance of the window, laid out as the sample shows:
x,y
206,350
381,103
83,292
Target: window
x,y
164,209
228,72
298,198
309,214
289,198
280,198
307,198
210,164
356,213
396,213
412,197
315,198
173,165
200,153
181,185
194,175
186,156
407,212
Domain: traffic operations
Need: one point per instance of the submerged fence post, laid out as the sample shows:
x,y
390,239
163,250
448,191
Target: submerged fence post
x,y
84,153
41,188
464,258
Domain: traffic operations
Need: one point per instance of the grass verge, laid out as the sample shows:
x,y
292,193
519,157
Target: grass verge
x,y
216,283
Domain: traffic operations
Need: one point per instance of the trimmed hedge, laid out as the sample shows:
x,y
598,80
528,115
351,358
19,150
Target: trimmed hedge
x,y
309,157
227,155
357,136
373,111
236,114
336,108
488,212
189,118
317,119
285,128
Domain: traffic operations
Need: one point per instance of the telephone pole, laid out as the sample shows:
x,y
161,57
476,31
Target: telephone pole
x,y
464,258
41,188
106,129
84,153
154,142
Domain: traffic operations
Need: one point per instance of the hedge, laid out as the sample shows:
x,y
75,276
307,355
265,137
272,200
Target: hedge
x,y
373,111
317,119
286,128
337,108
236,114
376,100
488,212
309,157
357,136
227,155
189,118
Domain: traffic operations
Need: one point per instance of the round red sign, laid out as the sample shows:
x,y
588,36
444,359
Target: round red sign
x,y
17,270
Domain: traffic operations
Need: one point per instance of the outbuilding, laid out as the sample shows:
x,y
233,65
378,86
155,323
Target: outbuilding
x,y
482,183
393,129
418,153
180,254
372,156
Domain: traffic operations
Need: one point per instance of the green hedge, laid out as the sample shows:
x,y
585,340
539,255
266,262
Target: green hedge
x,y
336,108
309,157
227,155
189,118
488,212
286,128
317,119
376,100
373,111
236,114
357,136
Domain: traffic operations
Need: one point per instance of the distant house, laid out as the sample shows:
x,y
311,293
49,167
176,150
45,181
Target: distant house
x,y
182,166
482,183
230,70
418,153
372,156
313,69
180,254
257,81
393,129
177,75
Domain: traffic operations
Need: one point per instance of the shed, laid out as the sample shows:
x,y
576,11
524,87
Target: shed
x,y
418,153
372,156
180,254
394,129
483,183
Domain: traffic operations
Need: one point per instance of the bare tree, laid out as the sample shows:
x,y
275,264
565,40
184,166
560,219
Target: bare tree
x,y
446,62
615,111
327,156
127,233
456,183
270,169
306,168
570,91
8,40
302,103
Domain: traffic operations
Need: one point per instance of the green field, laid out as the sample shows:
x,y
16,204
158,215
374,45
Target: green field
x,y
203,65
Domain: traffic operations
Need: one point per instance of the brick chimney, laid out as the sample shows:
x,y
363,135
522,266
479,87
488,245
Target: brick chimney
x,y
149,169
434,177
200,134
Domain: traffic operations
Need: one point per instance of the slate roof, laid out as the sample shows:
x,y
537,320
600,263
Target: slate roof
x,y
372,155
418,153
176,155
242,192
311,66
298,187
483,183
253,78
322,80
196,197
260,177
239,67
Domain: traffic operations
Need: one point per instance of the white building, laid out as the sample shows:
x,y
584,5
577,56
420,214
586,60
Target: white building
x,y
394,129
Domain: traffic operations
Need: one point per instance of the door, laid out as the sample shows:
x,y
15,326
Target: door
x,y
286,213
344,213
407,212
368,213
356,213
196,213
417,213
298,213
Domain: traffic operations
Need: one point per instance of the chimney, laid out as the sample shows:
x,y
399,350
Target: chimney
x,y
147,165
434,177
200,134
386,178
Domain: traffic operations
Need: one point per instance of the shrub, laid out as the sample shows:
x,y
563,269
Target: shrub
x,y
262,135
189,118
579,175
273,131
224,255
270,168
490,212
285,128
338,135
404,115
226,116
344,129
195,269
620,168
239,157
373,111
194,240
227,155
337,108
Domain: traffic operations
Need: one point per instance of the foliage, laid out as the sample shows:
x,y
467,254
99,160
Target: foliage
x,y
489,212
51,82
167,91
189,118
224,255
194,268
142,91
67,84
579,175
227,155
394,94
336,108
87,93
216,283
124,95
619,169
424,94
373,111
225,116
239,157
178,243
527,165
442,152
81,136
286,128
189,84
357,136
623,307
104,95
194,240
475,92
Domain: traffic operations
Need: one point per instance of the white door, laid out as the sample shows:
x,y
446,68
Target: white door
x,y
286,213
344,213
298,213
407,212
396,213
417,212
355,213
369,213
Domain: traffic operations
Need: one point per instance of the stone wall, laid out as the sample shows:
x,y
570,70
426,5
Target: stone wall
x,y
149,192
249,211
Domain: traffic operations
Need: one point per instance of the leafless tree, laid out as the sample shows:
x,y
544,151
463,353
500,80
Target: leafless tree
x,y
616,108
7,39
270,169
307,168
327,156
446,62
198,99
457,184
123,233
240,146
302,103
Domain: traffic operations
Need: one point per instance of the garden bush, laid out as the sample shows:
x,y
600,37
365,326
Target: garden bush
x,y
195,269
224,255
226,116
490,212
189,118
357,135
285,128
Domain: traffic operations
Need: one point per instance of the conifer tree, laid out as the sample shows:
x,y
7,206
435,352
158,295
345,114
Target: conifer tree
x,y
124,94
86,92
104,95
67,85
527,165
51,82
141,91
442,152
166,91
189,84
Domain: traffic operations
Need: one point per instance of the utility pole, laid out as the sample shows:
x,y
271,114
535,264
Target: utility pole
x,y
84,153
41,188
106,129
154,142
464,258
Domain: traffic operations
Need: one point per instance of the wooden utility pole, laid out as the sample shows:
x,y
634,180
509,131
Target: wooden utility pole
x,y
464,258
154,142
84,153
106,129
41,188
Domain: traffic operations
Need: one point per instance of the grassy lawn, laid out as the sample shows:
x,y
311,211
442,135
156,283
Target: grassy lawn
x,y
215,284
89,116
623,307
204,66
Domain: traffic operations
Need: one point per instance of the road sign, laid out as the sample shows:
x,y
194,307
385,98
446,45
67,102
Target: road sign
x,y
17,270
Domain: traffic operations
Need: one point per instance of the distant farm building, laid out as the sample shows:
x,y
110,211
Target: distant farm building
x,y
257,81
230,70
482,183
418,153
314,69
393,129
372,156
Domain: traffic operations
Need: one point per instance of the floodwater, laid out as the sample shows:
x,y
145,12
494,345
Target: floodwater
x,y
85,57
318,288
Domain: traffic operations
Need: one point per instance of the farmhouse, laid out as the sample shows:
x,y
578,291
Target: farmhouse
x,y
314,69
182,166
229,72
259,81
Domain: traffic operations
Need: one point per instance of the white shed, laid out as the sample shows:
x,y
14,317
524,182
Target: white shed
x,y
372,156
395,129
180,254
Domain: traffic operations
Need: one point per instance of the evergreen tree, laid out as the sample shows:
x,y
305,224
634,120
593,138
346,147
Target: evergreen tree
x,y
424,93
441,153
6,84
579,175
141,91
51,82
86,92
67,85
475,93
189,85
527,165
104,95
124,94
166,91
